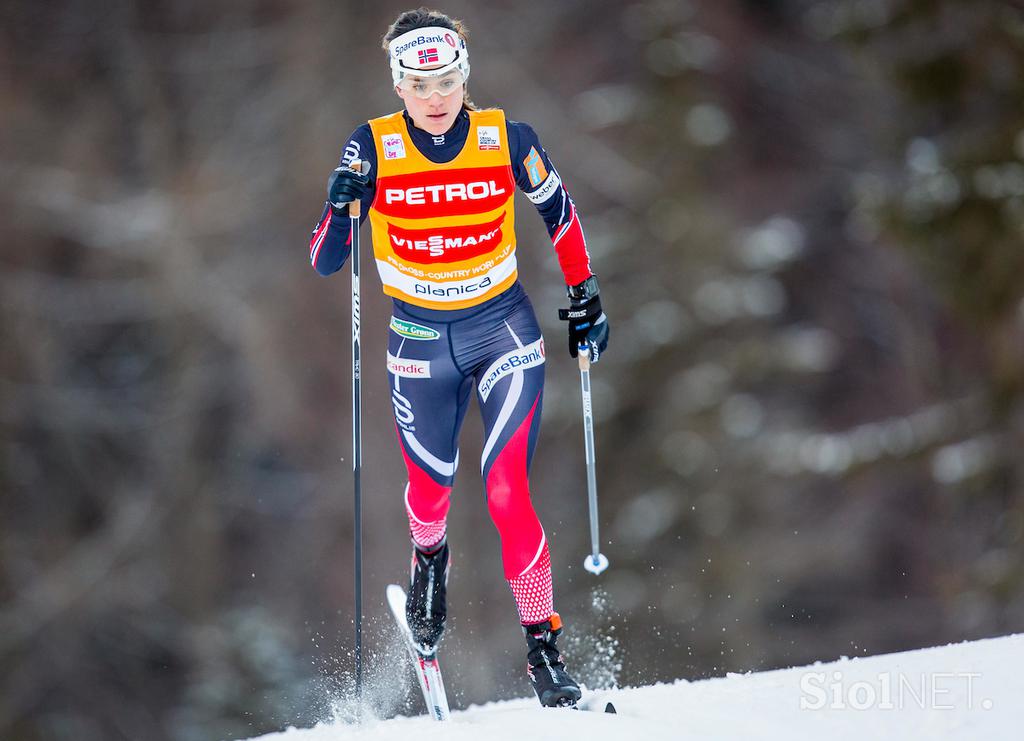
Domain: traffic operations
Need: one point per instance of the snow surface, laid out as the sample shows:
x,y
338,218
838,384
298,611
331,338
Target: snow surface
x,y
960,691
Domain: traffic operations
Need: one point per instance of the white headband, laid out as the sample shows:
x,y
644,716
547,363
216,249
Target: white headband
x,y
439,49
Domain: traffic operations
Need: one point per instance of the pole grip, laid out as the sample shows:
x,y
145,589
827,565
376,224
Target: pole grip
x,y
583,355
355,208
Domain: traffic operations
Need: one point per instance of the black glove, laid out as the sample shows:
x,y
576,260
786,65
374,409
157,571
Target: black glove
x,y
346,185
587,322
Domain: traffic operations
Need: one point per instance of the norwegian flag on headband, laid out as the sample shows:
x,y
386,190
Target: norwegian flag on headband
x,y
428,56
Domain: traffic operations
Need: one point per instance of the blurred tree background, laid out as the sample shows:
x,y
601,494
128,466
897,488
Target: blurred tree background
x,y
807,216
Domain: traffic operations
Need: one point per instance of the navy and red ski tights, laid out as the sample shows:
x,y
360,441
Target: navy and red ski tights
x,y
436,360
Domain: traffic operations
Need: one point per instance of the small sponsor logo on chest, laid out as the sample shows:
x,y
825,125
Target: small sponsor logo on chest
x,y
487,137
394,146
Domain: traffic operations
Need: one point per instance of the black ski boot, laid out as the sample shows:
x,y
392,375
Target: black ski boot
x,y
426,607
554,686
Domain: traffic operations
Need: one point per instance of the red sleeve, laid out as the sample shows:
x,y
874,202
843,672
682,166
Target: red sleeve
x,y
571,246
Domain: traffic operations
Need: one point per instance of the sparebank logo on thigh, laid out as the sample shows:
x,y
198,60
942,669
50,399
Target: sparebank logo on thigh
x,y
412,331
408,368
520,359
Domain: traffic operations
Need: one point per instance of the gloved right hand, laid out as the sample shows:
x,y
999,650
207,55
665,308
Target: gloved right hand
x,y
344,186
588,326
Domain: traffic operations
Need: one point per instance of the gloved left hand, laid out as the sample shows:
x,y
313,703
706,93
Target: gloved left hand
x,y
587,322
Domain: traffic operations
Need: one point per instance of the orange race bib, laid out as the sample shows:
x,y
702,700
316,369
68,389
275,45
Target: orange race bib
x,y
444,234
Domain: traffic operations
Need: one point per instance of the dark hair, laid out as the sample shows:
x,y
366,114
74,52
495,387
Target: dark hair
x,y
423,18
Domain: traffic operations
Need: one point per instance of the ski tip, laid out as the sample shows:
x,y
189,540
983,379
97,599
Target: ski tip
x,y
609,708
395,596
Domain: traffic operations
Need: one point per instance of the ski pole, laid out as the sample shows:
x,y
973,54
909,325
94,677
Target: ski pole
x,y
354,209
596,562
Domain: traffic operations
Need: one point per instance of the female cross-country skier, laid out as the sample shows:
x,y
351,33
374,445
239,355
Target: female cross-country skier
x,y
437,183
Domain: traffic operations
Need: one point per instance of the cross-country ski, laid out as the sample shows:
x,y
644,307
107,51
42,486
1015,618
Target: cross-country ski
x,y
425,664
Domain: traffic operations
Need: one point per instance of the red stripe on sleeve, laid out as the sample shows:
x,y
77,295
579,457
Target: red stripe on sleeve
x,y
317,240
571,247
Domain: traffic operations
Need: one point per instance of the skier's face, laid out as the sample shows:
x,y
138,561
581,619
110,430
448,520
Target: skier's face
x,y
434,114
